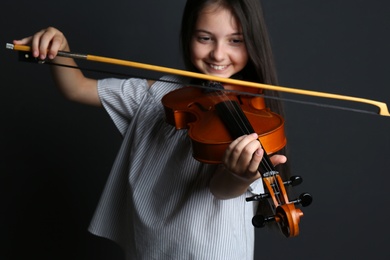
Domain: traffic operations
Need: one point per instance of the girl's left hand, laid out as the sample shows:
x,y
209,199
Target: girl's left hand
x,y
243,157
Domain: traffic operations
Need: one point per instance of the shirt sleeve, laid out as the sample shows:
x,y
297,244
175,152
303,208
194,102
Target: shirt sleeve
x,y
121,99
257,187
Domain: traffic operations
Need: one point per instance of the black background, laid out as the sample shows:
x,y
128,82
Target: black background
x,y
56,155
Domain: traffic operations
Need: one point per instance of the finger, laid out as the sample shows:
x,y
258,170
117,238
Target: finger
x,y
278,159
27,41
243,158
42,43
36,48
255,162
250,157
227,158
23,41
234,150
54,40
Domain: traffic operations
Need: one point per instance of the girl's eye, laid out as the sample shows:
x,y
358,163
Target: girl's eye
x,y
237,41
204,38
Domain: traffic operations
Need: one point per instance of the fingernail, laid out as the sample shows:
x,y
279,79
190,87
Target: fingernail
x,y
259,151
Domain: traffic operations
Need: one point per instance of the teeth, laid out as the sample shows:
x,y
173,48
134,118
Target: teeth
x,y
217,67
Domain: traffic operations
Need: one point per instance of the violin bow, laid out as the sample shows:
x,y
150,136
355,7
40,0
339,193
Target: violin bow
x,y
383,110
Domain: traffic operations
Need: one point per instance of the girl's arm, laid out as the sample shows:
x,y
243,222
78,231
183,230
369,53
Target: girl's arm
x,y
72,82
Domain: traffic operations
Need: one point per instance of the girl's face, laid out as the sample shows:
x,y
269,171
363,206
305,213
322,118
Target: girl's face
x,y
217,46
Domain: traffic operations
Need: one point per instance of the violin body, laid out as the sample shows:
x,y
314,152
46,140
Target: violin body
x,y
193,109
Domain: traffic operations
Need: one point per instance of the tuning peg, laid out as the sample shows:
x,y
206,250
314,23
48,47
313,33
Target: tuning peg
x,y
259,221
304,199
258,197
293,181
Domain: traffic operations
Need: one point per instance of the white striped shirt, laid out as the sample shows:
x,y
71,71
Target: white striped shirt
x,y
157,203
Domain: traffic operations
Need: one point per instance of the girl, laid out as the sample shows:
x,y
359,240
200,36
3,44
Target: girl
x,y
159,202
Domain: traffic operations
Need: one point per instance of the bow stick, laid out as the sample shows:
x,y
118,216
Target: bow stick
x,y
383,110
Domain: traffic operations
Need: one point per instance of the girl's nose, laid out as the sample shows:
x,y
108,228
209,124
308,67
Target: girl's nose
x,y
217,53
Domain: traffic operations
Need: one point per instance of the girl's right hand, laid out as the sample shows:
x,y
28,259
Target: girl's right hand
x,y
45,43
73,84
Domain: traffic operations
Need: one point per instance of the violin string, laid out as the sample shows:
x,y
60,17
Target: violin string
x,y
240,121
263,162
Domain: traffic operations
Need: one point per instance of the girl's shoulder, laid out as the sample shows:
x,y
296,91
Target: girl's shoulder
x,y
167,84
